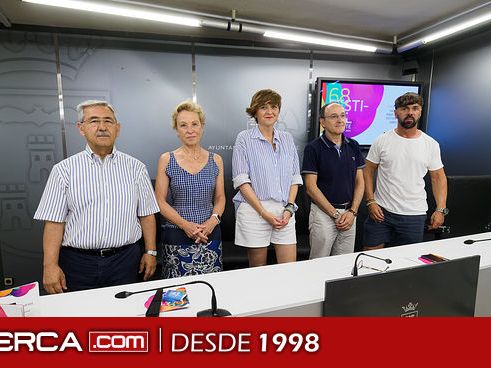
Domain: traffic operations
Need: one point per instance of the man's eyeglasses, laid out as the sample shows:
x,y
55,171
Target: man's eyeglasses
x,y
360,265
335,117
106,122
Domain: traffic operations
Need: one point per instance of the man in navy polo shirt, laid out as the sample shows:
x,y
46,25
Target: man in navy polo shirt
x,y
333,177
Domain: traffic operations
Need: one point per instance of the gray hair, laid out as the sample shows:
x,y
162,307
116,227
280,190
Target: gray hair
x,y
88,103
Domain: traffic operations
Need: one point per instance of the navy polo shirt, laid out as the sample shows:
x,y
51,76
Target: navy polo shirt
x,y
336,170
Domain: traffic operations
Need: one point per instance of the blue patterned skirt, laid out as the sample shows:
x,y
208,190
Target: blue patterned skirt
x,y
182,257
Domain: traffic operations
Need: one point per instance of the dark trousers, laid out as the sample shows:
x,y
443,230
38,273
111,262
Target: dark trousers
x,y
84,271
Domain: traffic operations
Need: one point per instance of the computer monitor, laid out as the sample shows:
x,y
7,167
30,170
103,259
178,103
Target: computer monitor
x,y
369,105
439,289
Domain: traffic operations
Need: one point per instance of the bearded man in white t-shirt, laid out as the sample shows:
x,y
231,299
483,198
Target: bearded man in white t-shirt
x,y
402,157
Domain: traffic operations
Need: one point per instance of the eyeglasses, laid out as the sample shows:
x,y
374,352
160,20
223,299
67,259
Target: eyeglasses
x,y
106,122
360,265
335,117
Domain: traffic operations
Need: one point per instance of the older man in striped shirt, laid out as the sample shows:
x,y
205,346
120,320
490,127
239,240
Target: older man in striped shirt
x,y
96,206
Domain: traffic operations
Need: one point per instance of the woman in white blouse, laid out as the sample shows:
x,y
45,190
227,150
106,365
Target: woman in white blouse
x,y
266,171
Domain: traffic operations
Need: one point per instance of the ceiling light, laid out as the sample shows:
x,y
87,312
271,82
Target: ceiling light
x,y
319,41
457,28
131,12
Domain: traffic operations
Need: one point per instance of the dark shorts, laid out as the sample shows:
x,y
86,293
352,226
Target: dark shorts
x,y
394,230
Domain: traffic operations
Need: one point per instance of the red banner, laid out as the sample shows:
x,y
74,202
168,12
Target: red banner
x,y
243,342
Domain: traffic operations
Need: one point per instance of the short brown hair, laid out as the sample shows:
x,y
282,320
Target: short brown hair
x,y
408,98
261,98
187,106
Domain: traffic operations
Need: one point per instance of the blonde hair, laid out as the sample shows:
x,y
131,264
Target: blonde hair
x,y
187,106
261,98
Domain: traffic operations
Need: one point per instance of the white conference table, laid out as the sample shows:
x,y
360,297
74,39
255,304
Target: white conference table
x,y
293,289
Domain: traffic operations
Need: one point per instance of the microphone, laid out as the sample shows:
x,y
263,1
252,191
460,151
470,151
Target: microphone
x,y
354,272
214,311
470,241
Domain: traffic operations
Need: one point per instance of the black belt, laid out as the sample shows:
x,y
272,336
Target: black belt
x,y
105,252
343,206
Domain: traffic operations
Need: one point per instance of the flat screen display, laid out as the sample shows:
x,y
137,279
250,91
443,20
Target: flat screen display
x,y
446,288
369,105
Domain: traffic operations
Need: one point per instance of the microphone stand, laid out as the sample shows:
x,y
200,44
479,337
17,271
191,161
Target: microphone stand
x,y
470,241
354,272
214,311
153,309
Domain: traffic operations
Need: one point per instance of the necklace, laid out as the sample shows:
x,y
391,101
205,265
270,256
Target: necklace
x,y
193,155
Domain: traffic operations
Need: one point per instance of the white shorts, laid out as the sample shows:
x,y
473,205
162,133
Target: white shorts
x,y
252,231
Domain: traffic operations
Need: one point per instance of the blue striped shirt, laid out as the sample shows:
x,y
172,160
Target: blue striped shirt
x,y
99,200
270,172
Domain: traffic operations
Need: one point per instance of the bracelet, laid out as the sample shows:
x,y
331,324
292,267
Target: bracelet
x,y
353,212
371,201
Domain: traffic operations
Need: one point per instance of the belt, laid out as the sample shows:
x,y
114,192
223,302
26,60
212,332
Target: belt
x,y
105,252
342,206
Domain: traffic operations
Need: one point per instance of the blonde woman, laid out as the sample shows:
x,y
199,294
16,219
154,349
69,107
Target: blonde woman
x,y
190,192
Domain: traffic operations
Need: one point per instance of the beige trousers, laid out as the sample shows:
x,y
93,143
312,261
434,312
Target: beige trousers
x,y
325,239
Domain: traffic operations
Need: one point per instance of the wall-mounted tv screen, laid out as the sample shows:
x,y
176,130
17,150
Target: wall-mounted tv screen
x,y
369,105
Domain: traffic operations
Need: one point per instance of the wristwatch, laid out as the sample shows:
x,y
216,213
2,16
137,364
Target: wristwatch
x,y
336,214
151,252
291,207
445,211
217,217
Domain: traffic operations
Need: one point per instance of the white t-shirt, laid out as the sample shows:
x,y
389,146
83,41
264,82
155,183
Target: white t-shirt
x,y
403,163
